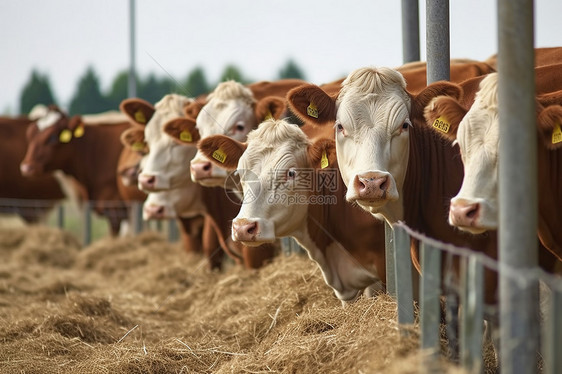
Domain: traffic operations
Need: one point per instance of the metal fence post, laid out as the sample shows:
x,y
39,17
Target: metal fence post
x,y
430,293
517,196
389,256
60,216
136,216
551,346
410,31
437,40
87,230
403,268
173,231
471,324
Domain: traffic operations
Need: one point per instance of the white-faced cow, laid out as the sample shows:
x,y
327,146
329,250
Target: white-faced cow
x,y
476,131
292,187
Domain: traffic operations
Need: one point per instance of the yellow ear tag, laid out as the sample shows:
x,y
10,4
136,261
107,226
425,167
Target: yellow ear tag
x,y
185,136
79,131
268,116
219,155
324,160
441,124
312,110
137,146
65,136
556,134
139,117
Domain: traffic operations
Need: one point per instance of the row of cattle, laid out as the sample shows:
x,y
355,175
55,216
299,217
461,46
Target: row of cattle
x,y
246,165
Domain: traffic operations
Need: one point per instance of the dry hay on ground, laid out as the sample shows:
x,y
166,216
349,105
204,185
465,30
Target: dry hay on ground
x,y
140,305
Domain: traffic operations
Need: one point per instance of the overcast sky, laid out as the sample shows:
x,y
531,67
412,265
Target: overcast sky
x,y
326,38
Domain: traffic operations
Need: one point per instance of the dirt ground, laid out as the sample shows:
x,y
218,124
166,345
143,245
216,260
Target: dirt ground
x,y
141,305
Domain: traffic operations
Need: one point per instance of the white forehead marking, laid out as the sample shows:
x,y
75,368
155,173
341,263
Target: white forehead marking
x,y
48,120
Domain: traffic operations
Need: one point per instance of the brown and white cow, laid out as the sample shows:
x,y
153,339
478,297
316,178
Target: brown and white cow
x,y
50,189
292,187
166,167
233,109
476,131
86,148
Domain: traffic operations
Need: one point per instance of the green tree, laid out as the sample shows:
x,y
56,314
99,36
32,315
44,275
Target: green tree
x,y
119,89
88,97
231,72
196,83
36,91
291,70
152,89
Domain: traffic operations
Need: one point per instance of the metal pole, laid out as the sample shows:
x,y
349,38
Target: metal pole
x,y
410,30
437,40
517,185
132,88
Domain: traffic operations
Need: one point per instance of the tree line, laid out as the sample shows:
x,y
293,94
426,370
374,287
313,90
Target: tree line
x,y
89,98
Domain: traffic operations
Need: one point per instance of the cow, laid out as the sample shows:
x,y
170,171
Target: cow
x,y
166,167
233,109
476,131
50,189
543,57
86,148
292,188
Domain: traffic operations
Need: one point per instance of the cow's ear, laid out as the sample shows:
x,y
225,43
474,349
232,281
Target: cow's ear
x,y
139,111
270,107
322,154
133,138
222,150
443,115
441,88
192,109
182,130
549,124
312,105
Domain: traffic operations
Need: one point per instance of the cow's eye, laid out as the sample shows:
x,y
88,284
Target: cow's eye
x,y
239,127
339,127
291,173
405,126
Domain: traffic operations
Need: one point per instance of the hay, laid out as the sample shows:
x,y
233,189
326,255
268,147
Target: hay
x,y
140,305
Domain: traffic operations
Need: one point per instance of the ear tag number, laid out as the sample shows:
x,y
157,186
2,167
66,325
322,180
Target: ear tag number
x,y
139,116
441,124
185,136
312,110
79,131
557,134
219,155
324,160
65,136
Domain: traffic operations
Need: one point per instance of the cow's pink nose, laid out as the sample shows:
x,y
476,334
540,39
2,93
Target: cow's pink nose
x,y
201,170
464,214
371,186
154,211
25,169
245,230
147,181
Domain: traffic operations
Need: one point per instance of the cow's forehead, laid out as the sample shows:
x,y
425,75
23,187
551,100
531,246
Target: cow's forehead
x,y
51,118
218,117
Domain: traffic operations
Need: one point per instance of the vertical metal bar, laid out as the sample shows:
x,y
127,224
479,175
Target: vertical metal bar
x,y
410,31
403,262
136,216
437,40
132,88
389,257
517,196
173,231
87,232
60,216
552,349
159,225
430,305
472,322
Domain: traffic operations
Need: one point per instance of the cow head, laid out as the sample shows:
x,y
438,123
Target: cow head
x,y
229,111
174,203
373,115
274,167
476,205
135,148
50,140
164,164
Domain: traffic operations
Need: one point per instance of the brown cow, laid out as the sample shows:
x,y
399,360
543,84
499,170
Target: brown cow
x,y
88,153
543,57
475,207
13,185
292,187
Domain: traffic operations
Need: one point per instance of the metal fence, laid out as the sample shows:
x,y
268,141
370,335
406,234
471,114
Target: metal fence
x,y
463,292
